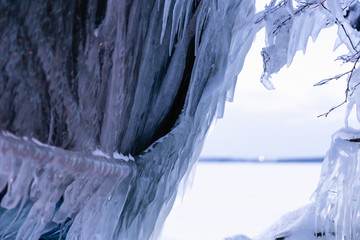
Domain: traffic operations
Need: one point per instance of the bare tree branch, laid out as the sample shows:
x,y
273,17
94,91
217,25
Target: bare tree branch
x,y
325,81
347,90
332,109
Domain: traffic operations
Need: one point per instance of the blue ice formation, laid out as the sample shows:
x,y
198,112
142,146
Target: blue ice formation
x,y
104,107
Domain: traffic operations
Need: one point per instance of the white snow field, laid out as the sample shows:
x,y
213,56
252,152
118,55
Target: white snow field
x,y
231,198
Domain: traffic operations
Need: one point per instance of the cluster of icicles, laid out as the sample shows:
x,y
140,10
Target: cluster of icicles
x,y
50,192
61,184
92,195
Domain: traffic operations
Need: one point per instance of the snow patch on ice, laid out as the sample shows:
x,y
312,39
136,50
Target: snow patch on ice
x,y
99,153
96,32
296,225
120,156
39,143
9,134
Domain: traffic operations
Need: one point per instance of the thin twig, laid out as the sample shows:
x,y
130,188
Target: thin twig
x,y
349,79
331,109
324,81
347,90
347,58
355,57
347,35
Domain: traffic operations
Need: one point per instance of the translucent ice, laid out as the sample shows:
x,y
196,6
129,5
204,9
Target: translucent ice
x,y
86,85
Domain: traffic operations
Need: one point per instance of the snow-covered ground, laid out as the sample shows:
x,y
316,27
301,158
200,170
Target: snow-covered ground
x,y
227,199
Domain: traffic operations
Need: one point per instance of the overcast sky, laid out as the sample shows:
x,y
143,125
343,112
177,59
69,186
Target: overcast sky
x,y
283,123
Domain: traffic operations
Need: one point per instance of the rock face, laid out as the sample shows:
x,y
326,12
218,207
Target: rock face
x,y
92,74
85,85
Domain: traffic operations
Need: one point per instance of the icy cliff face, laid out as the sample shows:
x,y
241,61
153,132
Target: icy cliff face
x,y
85,86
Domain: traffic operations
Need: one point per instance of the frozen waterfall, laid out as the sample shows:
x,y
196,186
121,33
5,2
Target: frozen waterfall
x,y
104,106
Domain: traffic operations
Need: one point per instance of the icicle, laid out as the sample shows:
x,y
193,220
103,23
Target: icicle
x,y
287,31
44,174
120,96
188,10
177,15
18,182
167,5
200,21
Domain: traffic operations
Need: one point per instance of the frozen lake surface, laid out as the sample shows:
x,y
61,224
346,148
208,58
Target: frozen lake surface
x,y
227,199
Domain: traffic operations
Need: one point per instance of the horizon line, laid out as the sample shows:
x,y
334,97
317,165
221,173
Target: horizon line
x,y
257,160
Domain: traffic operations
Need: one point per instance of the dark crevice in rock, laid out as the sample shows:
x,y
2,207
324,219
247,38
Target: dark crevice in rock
x,y
100,12
170,120
3,192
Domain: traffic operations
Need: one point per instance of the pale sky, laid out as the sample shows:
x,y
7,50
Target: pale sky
x,y
283,123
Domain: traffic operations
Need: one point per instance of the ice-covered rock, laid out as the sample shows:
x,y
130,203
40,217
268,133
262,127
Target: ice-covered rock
x,y
85,86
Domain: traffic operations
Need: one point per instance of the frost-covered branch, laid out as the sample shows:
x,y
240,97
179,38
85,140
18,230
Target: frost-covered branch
x,y
332,109
325,81
348,91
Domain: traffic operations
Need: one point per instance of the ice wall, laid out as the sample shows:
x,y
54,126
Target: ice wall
x,y
85,85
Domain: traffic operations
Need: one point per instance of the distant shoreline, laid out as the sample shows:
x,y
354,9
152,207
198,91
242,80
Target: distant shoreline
x,y
254,160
